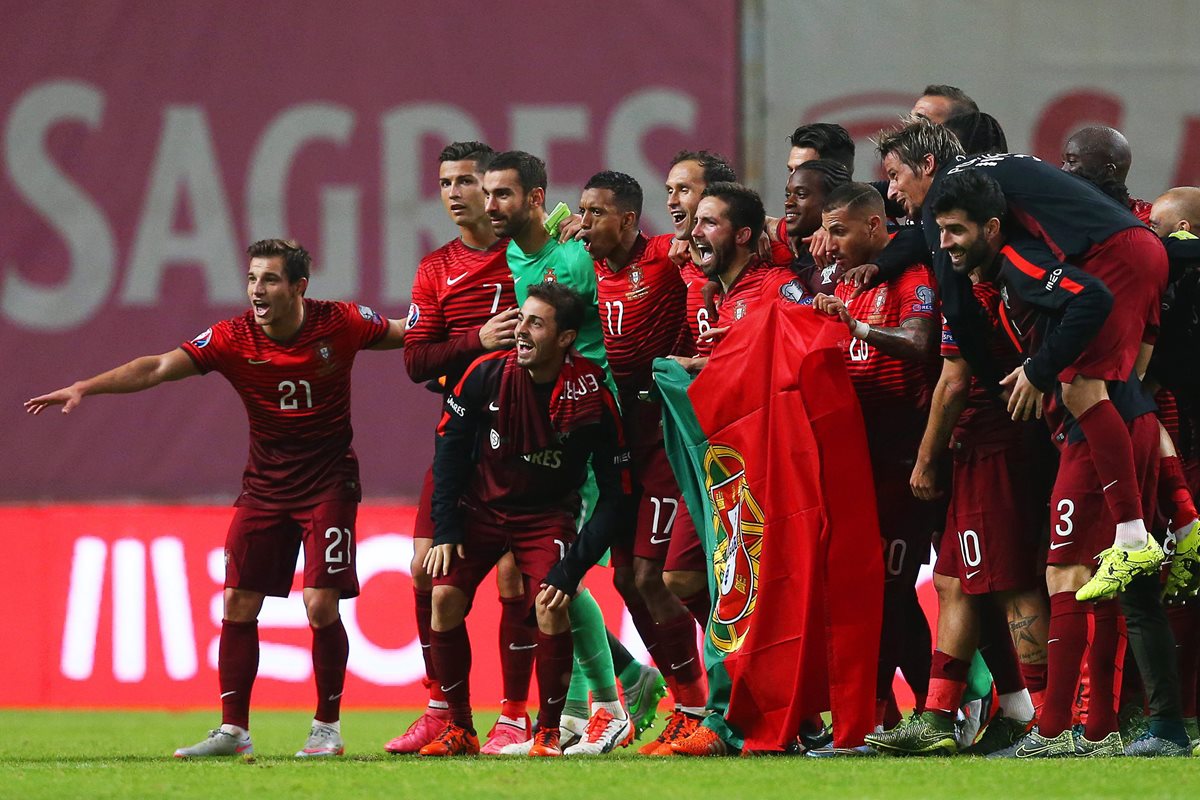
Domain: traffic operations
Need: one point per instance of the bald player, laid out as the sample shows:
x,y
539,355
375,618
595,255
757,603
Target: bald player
x,y
1101,155
1176,209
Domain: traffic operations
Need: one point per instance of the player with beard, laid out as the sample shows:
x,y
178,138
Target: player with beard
x,y
890,357
661,562
1080,225
518,437
515,189
289,359
985,566
1101,155
462,307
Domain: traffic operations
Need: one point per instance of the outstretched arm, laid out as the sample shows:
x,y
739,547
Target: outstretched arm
x,y
136,376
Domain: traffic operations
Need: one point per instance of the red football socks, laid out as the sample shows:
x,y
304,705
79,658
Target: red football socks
x,y
237,664
452,660
1065,645
947,682
677,645
1105,649
330,651
555,656
1174,499
1112,454
518,644
424,613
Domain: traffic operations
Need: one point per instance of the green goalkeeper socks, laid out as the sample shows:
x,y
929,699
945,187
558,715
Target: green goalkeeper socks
x,y
979,679
592,654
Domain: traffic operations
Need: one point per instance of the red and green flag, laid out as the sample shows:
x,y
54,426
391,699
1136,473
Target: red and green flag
x,y
769,448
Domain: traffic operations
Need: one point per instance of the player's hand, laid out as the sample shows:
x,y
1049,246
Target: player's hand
x,y
861,278
764,246
500,332
1025,399
437,560
714,334
818,247
924,482
692,364
680,252
68,397
828,304
569,228
552,598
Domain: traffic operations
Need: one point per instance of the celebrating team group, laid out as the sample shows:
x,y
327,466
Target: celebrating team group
x,y
1020,339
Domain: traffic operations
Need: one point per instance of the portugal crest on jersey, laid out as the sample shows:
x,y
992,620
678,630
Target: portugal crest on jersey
x,y
738,523
636,288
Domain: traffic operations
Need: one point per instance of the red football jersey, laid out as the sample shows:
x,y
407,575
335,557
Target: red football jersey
x,y
1140,209
984,420
641,311
890,388
457,289
297,396
699,319
758,282
781,251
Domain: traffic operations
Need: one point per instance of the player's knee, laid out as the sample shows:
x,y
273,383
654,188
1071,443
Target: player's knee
x,y
949,589
321,605
420,577
648,577
449,608
685,584
625,585
509,580
241,605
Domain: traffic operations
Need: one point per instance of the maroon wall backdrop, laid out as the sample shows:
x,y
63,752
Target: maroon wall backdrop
x,y
144,145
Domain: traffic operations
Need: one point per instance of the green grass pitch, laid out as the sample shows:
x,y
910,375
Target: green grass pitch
x,y
80,754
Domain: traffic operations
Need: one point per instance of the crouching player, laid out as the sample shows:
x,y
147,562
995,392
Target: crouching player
x,y
511,454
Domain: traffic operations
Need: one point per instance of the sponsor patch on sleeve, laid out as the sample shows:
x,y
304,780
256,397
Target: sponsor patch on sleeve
x,y
203,339
414,316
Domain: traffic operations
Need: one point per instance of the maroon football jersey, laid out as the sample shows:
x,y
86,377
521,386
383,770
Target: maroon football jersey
x,y
758,282
297,396
457,289
891,388
699,319
641,311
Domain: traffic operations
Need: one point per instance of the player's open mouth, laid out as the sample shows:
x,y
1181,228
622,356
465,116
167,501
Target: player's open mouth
x,y
677,217
790,216
456,208
524,347
587,243
261,307
705,251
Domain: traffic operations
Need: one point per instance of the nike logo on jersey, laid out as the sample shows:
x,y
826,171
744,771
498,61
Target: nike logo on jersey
x,y
1056,545
336,570
256,362
972,574
1109,486
656,540
521,646
493,407
452,281
684,664
451,687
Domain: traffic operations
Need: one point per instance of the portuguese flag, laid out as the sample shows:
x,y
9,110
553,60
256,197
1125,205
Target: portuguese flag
x,y
769,449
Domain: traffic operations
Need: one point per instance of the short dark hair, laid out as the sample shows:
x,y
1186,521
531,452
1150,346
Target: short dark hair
x,y
745,207
914,140
978,133
973,192
716,167
568,304
857,197
833,173
297,263
960,101
829,139
478,152
531,170
627,192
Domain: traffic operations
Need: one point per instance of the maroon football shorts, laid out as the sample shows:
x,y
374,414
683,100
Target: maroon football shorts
x,y
423,524
664,530
537,542
906,524
1133,265
994,521
262,545
1080,523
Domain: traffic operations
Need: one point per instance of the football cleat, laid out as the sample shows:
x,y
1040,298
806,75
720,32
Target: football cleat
x,y
454,740
1001,732
928,733
969,720
545,743
642,698
219,743
423,731
1117,567
829,751
678,726
1150,746
571,730
604,733
702,742
1183,578
1131,722
323,740
505,733
1108,747
1034,745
